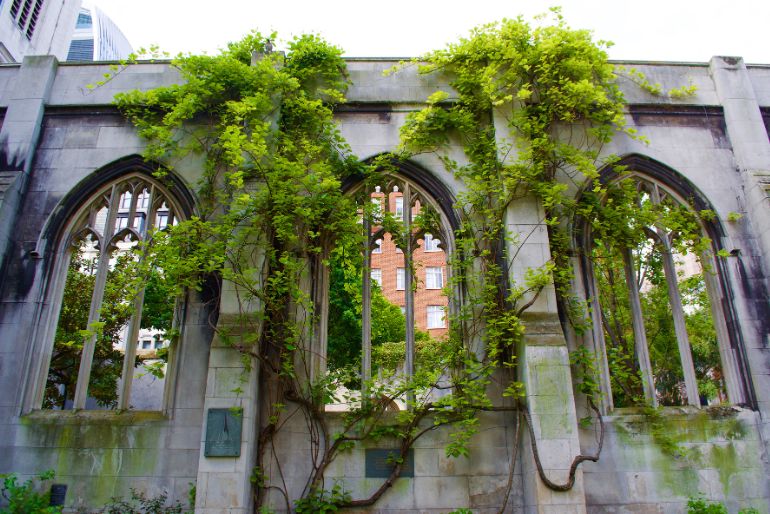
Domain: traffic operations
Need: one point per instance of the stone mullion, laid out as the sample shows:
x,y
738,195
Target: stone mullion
x,y
726,352
408,290
637,321
366,308
321,327
680,329
600,345
135,323
89,346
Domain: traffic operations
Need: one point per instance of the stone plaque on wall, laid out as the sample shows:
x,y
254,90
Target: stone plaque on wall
x,y
223,433
380,463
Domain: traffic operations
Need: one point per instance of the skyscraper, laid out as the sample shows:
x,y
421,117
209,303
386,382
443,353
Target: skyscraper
x,y
97,38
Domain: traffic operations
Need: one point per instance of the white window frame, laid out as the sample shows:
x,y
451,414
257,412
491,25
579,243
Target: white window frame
x,y
400,279
399,201
434,277
430,244
376,274
435,316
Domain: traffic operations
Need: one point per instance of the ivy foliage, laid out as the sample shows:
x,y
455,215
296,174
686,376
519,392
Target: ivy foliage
x,y
273,160
531,107
27,497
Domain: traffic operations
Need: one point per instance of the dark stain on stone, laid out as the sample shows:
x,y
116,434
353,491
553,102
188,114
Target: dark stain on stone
x,y
711,118
755,291
766,118
732,61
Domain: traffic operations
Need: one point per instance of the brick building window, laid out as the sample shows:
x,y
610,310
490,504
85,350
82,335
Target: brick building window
x,y
430,244
400,279
376,275
435,314
434,277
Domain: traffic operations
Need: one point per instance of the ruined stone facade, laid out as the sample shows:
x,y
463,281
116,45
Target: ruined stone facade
x,y
61,143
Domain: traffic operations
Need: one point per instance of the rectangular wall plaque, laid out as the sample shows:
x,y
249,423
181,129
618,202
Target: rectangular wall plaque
x,y
58,494
379,463
223,433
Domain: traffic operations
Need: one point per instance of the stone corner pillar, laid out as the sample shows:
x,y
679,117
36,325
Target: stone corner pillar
x,y
19,137
223,483
544,360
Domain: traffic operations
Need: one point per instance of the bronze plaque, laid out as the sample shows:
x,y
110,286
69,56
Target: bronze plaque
x,y
223,433
380,463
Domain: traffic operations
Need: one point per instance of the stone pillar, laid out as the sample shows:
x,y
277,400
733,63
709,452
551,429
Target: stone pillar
x,y
544,361
750,266
223,484
19,137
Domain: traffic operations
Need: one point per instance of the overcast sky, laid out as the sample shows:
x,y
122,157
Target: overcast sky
x,y
671,30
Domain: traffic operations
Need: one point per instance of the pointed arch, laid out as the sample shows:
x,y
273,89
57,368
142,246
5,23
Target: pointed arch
x,y
658,180
410,265
91,234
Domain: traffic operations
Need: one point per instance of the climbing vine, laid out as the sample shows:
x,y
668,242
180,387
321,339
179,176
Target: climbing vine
x,y
531,107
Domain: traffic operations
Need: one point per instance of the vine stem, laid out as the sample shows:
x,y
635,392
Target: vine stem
x,y
514,453
575,462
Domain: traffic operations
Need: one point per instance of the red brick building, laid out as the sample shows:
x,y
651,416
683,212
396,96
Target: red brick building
x,y
387,265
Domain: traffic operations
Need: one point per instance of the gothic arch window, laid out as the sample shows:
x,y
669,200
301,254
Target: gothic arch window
x,y
407,230
661,320
112,309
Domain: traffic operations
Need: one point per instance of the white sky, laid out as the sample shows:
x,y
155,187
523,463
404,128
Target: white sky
x,y
671,30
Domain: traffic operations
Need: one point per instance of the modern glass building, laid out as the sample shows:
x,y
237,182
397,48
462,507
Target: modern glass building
x,y
97,38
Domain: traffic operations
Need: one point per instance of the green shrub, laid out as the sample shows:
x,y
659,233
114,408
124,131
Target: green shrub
x,y
140,503
26,498
701,506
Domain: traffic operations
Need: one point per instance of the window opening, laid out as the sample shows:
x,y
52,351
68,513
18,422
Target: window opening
x,y
377,276
391,321
430,244
105,307
33,18
15,8
435,314
26,15
399,200
660,328
434,277
84,21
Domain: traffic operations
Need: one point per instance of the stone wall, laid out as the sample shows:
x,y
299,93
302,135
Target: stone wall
x,y
67,137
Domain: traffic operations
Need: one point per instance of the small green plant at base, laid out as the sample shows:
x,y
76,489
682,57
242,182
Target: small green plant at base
x,y
140,503
321,501
191,494
25,498
700,505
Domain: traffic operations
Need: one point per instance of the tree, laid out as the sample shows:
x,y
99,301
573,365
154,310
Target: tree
x,y
388,323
